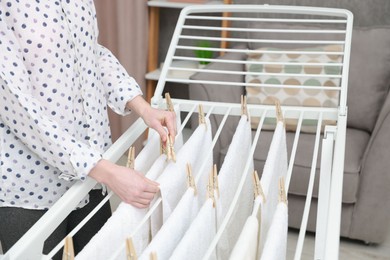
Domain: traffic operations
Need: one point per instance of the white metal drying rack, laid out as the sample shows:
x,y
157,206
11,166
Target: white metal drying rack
x,y
181,48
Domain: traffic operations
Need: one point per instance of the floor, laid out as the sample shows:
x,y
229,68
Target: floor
x,y
349,249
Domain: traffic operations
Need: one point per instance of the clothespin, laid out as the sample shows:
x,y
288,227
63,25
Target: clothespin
x,y
130,250
282,191
153,256
244,107
68,253
279,114
190,178
170,149
131,158
257,188
169,102
215,179
210,187
163,149
201,115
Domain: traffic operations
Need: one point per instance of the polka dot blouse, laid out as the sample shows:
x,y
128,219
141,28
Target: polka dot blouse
x,y
55,84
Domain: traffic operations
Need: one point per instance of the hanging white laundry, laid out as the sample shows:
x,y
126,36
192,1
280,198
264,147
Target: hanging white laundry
x,y
199,235
274,168
127,218
120,225
174,228
247,243
172,181
151,151
276,241
230,175
245,248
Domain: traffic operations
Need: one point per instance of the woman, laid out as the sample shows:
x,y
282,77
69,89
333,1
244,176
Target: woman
x,y
56,82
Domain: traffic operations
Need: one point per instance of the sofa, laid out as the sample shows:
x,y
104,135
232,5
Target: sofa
x,y
366,187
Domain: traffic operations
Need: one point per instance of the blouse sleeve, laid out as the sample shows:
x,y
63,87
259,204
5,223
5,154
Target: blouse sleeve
x,y
26,119
119,86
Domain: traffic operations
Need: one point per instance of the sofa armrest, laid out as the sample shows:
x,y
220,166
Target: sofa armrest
x,y
371,210
218,93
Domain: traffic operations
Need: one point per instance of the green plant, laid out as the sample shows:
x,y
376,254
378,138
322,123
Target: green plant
x,y
203,53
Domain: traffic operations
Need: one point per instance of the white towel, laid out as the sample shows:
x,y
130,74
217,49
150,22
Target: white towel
x,y
276,242
230,175
274,168
174,228
120,225
199,235
247,243
127,218
173,181
246,246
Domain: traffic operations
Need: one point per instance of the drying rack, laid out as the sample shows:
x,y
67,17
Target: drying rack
x,y
208,23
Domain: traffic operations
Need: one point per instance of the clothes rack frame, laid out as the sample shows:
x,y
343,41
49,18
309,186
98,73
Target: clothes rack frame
x,y
204,23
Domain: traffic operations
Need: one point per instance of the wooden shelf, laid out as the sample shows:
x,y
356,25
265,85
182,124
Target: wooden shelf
x,y
154,15
155,74
167,4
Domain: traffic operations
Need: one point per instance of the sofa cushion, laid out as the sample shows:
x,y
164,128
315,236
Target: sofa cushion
x,y
369,74
292,74
356,142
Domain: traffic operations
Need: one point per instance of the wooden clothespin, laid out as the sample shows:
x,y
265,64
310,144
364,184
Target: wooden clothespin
x,y
279,113
153,256
282,190
169,102
215,179
244,107
130,250
257,188
210,187
170,149
190,178
163,149
68,253
201,115
131,158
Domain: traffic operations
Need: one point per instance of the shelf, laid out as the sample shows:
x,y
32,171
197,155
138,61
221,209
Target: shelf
x,y
167,4
155,74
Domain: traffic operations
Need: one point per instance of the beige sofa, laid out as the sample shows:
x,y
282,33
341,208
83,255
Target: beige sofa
x,y
366,189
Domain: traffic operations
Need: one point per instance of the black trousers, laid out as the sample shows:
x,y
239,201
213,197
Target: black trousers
x,y
14,223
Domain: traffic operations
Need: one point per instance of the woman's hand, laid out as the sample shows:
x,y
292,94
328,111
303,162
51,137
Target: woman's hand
x,y
154,118
131,186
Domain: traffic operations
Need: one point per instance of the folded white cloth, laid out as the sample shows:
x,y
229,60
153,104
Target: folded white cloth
x,y
199,235
276,241
247,243
274,168
173,181
174,228
121,225
230,175
125,220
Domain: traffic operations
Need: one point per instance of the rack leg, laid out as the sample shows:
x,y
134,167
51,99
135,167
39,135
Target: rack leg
x,y
335,196
323,193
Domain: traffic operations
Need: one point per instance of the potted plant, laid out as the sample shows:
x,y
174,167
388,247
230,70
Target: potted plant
x,y
203,52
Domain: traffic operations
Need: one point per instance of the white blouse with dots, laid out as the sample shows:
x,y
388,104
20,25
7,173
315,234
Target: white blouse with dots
x,y
56,82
